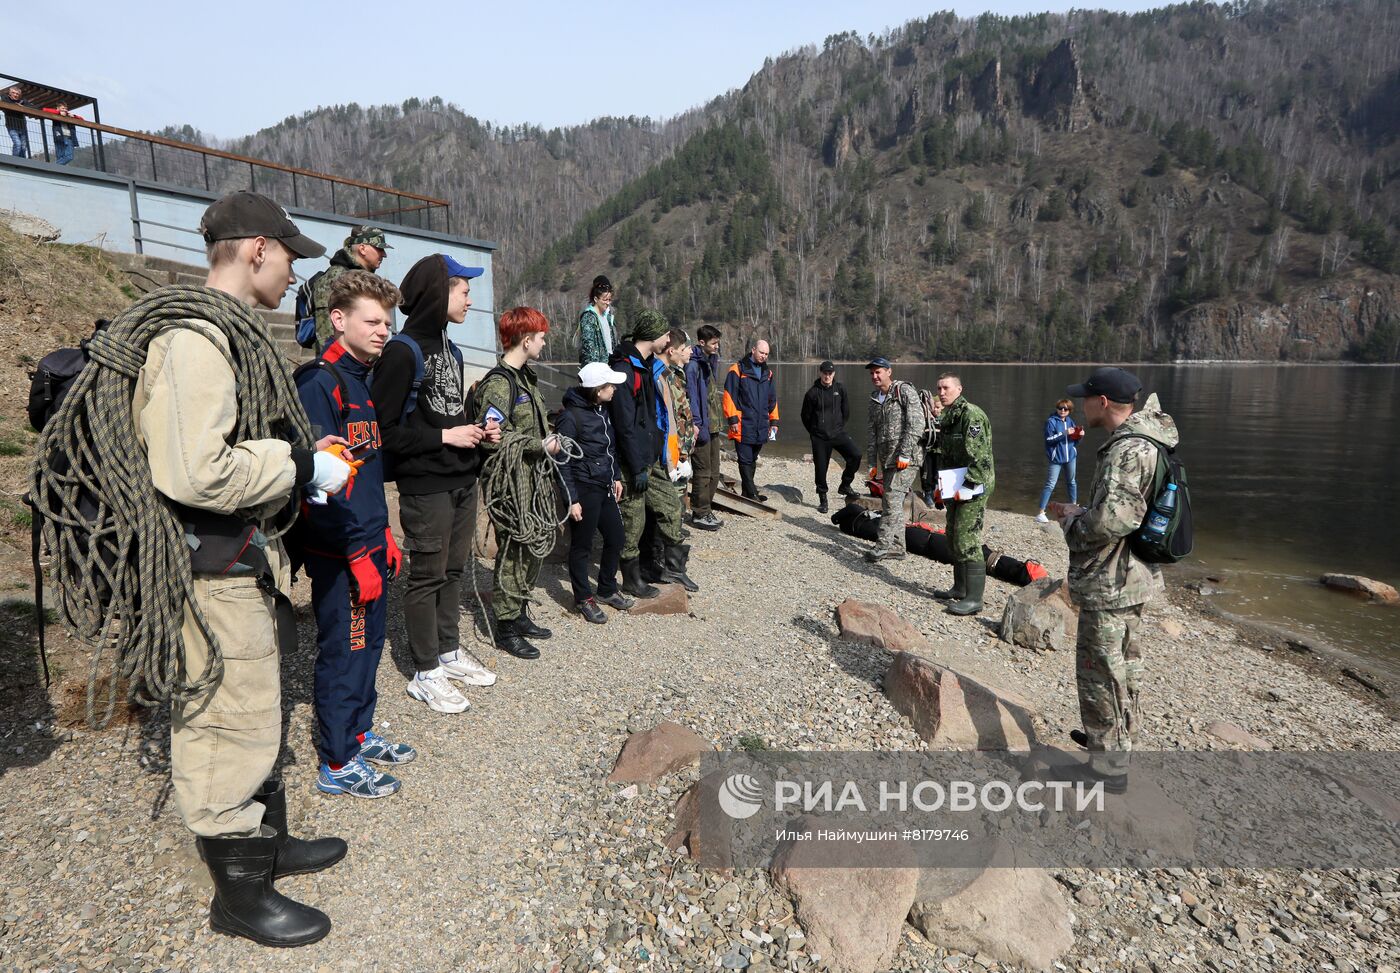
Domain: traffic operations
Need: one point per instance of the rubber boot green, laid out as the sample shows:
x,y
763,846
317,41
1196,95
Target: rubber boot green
x,y
975,577
959,590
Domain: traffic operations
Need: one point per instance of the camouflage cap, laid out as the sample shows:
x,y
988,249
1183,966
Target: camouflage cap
x,y
372,235
649,325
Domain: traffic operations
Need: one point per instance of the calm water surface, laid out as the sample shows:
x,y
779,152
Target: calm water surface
x,y
1293,473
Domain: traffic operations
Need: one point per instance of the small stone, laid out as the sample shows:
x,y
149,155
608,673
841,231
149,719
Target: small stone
x,y
1202,915
1188,899
1087,898
88,913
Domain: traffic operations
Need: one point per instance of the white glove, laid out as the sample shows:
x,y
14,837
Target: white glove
x,y
681,472
329,475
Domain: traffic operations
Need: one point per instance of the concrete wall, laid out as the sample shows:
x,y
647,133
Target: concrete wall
x,y
97,209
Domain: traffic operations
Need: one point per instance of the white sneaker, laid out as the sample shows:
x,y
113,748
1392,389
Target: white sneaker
x,y
466,669
1040,518
434,689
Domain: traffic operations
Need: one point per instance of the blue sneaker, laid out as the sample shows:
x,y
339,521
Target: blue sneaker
x,y
378,750
356,779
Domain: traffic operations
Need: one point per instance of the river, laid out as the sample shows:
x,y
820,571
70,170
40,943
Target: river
x,y
1293,473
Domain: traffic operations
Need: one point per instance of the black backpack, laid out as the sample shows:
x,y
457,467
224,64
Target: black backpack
x,y
1176,542
306,310
55,374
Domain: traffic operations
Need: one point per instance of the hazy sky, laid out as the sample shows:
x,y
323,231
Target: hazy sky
x,y
232,68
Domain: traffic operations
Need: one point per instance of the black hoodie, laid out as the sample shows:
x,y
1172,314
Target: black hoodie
x,y
421,462
633,409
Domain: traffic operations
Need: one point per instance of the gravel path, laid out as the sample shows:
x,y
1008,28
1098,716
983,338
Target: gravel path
x,y
506,850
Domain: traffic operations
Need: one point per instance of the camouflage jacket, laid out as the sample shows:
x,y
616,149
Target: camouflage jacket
x,y
594,342
342,262
895,425
678,399
965,439
1103,572
526,415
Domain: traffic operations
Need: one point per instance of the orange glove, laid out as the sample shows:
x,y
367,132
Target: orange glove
x,y
344,452
901,464
392,555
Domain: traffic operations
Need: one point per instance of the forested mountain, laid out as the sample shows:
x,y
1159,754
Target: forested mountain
x,y
1199,181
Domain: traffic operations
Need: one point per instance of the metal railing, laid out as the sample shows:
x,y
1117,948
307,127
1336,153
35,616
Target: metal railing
x,y
71,140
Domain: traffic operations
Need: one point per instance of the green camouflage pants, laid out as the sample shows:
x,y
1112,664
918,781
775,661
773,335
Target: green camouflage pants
x,y
965,528
662,499
515,575
1109,669
898,483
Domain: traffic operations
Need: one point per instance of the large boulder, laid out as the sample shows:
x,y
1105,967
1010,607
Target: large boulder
x,y
1040,616
1377,591
648,756
1013,914
953,712
876,625
853,917
673,600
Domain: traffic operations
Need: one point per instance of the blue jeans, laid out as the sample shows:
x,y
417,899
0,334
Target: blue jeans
x,y
19,142
1053,476
63,148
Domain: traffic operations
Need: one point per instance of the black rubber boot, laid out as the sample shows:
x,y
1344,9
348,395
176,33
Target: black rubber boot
x,y
295,856
632,582
975,577
746,487
509,639
653,570
245,903
959,590
524,626
821,503
676,557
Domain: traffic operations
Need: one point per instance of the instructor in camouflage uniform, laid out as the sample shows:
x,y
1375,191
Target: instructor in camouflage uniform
x,y
510,394
365,249
965,440
896,424
1108,583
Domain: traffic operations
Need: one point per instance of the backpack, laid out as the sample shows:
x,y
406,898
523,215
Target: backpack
x,y
51,379
306,312
342,390
474,393
1176,542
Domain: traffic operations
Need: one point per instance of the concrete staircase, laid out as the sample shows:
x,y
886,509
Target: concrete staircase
x,y
146,274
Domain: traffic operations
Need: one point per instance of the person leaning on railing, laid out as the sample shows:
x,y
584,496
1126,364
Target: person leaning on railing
x,y
65,135
16,123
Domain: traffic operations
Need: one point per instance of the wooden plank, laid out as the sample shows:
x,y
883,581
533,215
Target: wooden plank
x,y
731,502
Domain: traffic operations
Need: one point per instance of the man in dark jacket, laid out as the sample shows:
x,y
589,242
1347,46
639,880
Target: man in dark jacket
x,y
17,123
825,412
751,411
640,427
435,463
704,390
364,249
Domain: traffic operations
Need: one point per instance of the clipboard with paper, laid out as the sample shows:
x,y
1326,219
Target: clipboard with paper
x,y
951,481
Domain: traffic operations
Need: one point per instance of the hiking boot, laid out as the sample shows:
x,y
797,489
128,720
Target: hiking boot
x,y
616,600
295,856
589,609
509,639
959,590
846,490
883,554
434,689
632,582
245,903
466,668
676,557
378,750
975,577
358,779
1080,737
529,629
821,503
706,522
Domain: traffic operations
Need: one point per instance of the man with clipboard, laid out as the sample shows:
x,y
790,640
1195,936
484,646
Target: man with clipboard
x,y
966,476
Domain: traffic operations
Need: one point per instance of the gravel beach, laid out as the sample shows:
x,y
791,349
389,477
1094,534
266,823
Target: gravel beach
x,y
507,850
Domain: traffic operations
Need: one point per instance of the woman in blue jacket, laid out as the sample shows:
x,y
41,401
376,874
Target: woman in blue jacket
x,y
1061,434
594,486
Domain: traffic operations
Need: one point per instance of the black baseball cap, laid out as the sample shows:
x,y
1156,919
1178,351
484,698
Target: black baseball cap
x,y
878,361
1115,384
826,367
245,214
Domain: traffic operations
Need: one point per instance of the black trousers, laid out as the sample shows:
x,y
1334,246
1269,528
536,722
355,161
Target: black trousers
x,y
821,458
437,535
601,514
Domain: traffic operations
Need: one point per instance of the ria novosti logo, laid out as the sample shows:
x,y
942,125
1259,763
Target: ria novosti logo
x,y
741,796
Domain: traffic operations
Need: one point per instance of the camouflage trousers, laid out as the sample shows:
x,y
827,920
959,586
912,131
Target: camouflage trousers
x,y
515,575
1109,669
965,528
662,499
898,483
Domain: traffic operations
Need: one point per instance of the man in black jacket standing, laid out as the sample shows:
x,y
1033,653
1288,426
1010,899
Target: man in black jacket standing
x,y
825,412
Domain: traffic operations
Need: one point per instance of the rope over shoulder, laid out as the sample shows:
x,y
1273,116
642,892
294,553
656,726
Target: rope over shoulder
x,y
119,558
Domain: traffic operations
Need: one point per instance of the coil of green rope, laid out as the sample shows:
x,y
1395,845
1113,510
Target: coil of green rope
x,y
120,563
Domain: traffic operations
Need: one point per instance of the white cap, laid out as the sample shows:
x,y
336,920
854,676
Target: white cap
x,y
595,374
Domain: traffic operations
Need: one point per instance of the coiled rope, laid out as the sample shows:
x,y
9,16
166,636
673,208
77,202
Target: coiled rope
x,y
120,561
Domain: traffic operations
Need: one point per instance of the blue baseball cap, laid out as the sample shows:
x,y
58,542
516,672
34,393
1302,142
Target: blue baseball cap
x,y
878,362
454,269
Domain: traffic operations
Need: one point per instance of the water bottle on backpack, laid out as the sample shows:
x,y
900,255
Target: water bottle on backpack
x,y
1159,516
